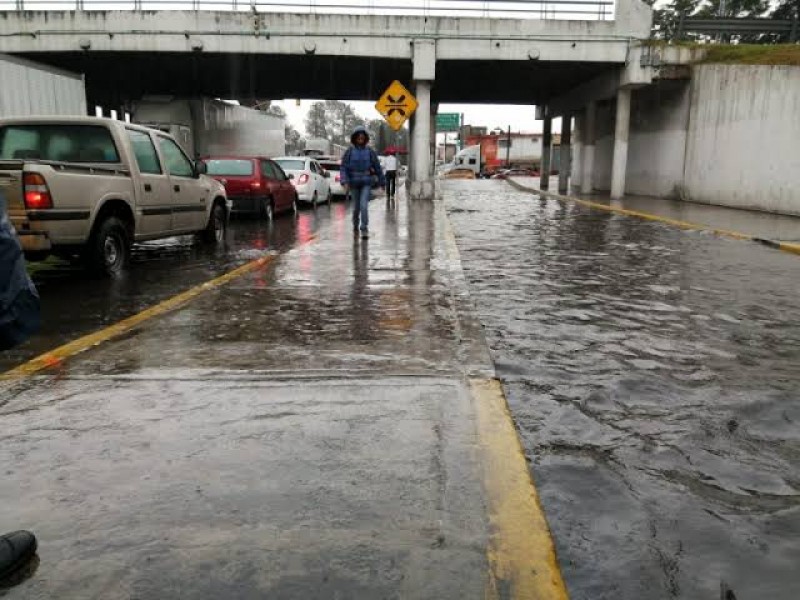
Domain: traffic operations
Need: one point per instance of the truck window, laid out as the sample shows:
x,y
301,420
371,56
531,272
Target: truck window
x,y
59,143
174,158
145,152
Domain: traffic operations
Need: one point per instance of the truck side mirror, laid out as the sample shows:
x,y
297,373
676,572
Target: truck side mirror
x,y
200,168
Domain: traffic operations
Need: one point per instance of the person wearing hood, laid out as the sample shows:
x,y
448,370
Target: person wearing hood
x,y
360,169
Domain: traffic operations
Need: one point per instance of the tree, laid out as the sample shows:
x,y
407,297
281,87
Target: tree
x,y
294,141
666,20
787,10
332,120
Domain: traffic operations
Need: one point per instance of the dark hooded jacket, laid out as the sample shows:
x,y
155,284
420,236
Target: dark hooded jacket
x,y
361,164
19,302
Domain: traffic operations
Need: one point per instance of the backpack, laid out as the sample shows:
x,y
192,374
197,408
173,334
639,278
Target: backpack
x,y
19,302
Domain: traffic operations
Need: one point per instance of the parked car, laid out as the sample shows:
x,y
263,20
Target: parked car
x,y
333,167
308,177
91,187
254,184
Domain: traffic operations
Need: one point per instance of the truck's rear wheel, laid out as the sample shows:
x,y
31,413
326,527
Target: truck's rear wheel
x,y
109,249
217,224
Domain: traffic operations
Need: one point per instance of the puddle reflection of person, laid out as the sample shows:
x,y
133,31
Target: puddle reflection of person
x,y
19,318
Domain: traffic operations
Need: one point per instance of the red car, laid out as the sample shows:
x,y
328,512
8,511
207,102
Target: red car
x,y
255,185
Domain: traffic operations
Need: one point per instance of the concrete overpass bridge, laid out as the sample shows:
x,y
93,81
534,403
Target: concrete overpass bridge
x,y
471,56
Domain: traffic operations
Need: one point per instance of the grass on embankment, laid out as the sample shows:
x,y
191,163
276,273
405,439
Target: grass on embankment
x,y
752,54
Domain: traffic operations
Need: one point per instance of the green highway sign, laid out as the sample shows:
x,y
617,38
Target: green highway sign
x,y
448,121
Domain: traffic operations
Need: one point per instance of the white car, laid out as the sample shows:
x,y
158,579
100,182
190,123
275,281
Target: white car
x,y
334,167
309,178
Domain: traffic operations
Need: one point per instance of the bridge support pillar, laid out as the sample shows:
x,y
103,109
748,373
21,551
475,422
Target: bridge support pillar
x,y
566,143
589,139
547,151
421,186
621,132
576,168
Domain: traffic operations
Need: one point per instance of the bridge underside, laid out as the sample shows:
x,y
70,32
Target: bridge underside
x,y
112,78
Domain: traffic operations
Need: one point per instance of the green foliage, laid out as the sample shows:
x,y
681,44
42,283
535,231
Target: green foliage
x,y
333,120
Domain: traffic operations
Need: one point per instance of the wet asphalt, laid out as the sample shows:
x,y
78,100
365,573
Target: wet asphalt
x,y
654,377
652,374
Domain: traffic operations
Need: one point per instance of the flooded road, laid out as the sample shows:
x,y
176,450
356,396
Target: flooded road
x,y
75,303
654,376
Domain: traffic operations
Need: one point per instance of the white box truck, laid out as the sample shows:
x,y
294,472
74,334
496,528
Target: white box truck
x,y
210,127
31,88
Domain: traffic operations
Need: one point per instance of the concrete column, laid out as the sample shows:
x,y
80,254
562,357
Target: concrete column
x,y
621,131
421,183
424,73
432,150
576,170
589,140
547,147
566,143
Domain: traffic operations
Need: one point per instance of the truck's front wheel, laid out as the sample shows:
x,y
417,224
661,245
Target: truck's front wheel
x,y
109,249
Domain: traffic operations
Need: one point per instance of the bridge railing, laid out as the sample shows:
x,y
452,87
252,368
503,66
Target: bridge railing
x,y
584,10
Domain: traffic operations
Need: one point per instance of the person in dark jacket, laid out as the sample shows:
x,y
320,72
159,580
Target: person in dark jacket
x,y
19,318
19,301
360,169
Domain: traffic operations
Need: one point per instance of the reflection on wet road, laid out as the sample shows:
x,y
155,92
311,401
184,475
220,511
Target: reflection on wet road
x,y
74,304
654,377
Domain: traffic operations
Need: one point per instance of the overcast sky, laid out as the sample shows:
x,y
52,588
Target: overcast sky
x,y
520,117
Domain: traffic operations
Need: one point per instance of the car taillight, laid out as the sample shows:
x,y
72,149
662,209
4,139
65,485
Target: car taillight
x,y
303,179
338,178
37,194
255,186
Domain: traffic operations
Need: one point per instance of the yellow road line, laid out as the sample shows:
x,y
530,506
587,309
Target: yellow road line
x,y
737,235
522,557
55,357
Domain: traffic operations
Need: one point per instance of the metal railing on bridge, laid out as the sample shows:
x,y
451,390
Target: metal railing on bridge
x,y
584,10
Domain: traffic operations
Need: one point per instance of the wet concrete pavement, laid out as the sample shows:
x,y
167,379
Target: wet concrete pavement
x,y
306,431
653,376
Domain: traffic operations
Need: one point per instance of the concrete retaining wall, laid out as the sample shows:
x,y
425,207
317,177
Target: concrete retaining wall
x,y
729,137
743,147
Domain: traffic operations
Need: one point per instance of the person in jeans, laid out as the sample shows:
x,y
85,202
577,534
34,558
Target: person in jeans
x,y
390,164
360,169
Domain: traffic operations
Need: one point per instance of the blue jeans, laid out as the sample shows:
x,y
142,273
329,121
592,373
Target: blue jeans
x,y
360,197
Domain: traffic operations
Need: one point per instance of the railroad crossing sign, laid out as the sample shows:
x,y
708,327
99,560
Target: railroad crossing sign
x,y
396,105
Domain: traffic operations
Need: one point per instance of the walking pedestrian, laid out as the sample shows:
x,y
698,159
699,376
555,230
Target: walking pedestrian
x,y
360,170
390,164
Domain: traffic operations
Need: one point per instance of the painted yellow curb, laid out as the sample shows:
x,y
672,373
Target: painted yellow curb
x,y
521,554
55,357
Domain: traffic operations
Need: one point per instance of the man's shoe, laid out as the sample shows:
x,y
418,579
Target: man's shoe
x,y
364,234
16,550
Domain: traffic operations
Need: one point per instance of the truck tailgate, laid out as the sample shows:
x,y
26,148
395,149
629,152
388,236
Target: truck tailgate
x,y
11,186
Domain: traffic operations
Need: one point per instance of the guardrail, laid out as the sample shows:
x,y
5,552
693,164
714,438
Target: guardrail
x,y
739,26
584,10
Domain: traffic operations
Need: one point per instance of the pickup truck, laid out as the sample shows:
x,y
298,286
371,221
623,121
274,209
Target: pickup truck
x,y
92,187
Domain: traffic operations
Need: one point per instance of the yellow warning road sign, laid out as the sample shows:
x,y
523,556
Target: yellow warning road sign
x,y
396,105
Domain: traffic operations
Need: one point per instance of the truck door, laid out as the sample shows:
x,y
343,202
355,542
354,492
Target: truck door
x,y
153,194
189,193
